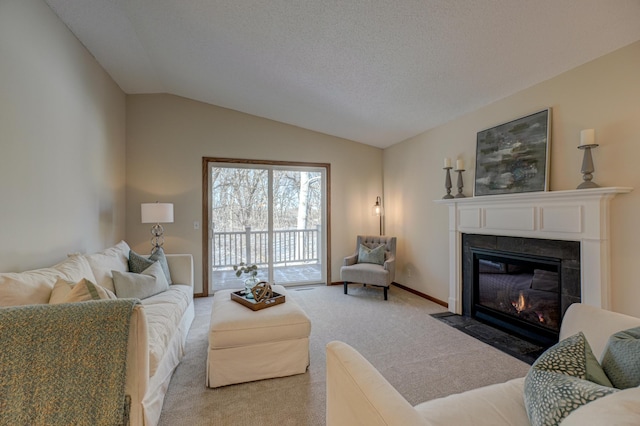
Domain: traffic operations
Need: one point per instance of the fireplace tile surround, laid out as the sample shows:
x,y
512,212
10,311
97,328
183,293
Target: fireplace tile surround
x,y
573,215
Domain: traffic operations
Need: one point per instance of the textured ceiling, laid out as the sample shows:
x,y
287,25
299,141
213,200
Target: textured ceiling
x,y
373,71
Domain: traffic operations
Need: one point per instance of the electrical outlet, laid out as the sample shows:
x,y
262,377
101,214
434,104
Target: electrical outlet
x,y
196,225
408,272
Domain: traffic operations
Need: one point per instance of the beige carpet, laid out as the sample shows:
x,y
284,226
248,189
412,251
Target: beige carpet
x,y
420,356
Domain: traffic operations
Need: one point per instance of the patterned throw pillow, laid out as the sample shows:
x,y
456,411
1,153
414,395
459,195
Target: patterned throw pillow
x,y
564,378
621,359
82,291
138,263
159,256
374,255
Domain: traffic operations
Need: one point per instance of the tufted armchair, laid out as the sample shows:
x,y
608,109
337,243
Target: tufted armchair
x,y
355,270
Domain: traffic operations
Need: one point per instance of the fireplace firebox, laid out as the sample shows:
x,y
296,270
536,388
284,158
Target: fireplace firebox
x,y
517,292
520,285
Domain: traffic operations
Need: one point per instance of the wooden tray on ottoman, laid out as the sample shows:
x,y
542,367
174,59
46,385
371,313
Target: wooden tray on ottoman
x,y
238,296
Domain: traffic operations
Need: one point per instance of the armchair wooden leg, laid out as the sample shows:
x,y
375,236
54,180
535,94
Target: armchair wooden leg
x,y
385,292
345,287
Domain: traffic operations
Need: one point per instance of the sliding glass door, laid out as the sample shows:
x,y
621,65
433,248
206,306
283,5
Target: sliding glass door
x,y
270,215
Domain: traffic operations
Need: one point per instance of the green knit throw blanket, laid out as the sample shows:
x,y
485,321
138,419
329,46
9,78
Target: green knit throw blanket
x,y
65,364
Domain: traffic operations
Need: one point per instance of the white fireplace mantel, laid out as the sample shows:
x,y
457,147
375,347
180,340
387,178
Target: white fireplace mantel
x,y
575,215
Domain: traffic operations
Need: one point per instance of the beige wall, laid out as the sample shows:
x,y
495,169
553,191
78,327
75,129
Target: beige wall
x,y
62,142
62,158
167,136
603,94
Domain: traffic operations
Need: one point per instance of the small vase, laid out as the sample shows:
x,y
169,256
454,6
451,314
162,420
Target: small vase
x,y
249,283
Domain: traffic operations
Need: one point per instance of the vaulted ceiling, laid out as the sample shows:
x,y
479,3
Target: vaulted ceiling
x,y
373,71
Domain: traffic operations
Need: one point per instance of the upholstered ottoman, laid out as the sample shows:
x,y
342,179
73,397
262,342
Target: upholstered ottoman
x,y
246,345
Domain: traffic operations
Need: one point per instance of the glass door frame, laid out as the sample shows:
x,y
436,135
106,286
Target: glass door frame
x,y
207,163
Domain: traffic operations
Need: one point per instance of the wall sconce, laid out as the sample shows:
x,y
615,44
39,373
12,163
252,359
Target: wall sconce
x,y
157,213
378,210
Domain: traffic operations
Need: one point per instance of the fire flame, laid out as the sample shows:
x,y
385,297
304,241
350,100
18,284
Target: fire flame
x,y
520,304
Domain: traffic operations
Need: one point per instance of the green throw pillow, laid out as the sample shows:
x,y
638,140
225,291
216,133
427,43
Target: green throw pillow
x,y
562,379
140,286
160,257
621,359
374,255
138,263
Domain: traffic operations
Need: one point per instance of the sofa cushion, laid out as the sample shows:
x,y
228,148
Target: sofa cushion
x,y
140,286
115,258
138,263
159,256
562,379
620,409
371,255
621,360
501,404
164,313
84,290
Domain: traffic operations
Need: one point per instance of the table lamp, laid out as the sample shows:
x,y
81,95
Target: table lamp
x,y
157,213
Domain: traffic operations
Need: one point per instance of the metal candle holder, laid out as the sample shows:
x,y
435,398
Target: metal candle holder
x,y
587,167
459,194
447,183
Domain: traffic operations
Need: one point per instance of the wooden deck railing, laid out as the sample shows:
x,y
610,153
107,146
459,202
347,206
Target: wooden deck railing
x,y
289,246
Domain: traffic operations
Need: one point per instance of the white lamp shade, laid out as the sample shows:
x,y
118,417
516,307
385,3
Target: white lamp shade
x,y
157,212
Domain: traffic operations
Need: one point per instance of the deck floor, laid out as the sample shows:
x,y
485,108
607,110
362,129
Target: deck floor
x,y
283,275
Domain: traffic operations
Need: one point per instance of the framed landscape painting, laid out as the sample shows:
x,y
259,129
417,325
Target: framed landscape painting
x,y
514,157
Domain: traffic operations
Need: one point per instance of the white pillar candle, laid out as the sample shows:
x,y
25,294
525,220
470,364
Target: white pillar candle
x,y
447,162
587,137
459,165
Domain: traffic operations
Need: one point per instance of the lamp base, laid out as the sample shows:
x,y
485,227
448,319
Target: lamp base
x,y
158,237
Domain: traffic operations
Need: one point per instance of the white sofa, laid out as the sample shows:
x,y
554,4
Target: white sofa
x,y
158,328
357,394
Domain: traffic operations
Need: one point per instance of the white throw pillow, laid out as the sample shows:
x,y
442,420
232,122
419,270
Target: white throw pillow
x,y
27,288
74,268
115,258
149,282
60,291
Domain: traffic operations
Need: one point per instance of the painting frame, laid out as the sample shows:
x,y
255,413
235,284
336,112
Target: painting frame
x,y
513,157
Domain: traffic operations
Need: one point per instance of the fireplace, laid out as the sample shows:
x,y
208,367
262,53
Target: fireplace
x,y
522,285
578,216
520,293
575,221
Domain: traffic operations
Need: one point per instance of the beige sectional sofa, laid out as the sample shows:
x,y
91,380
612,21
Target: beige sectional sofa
x,y
357,394
158,328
